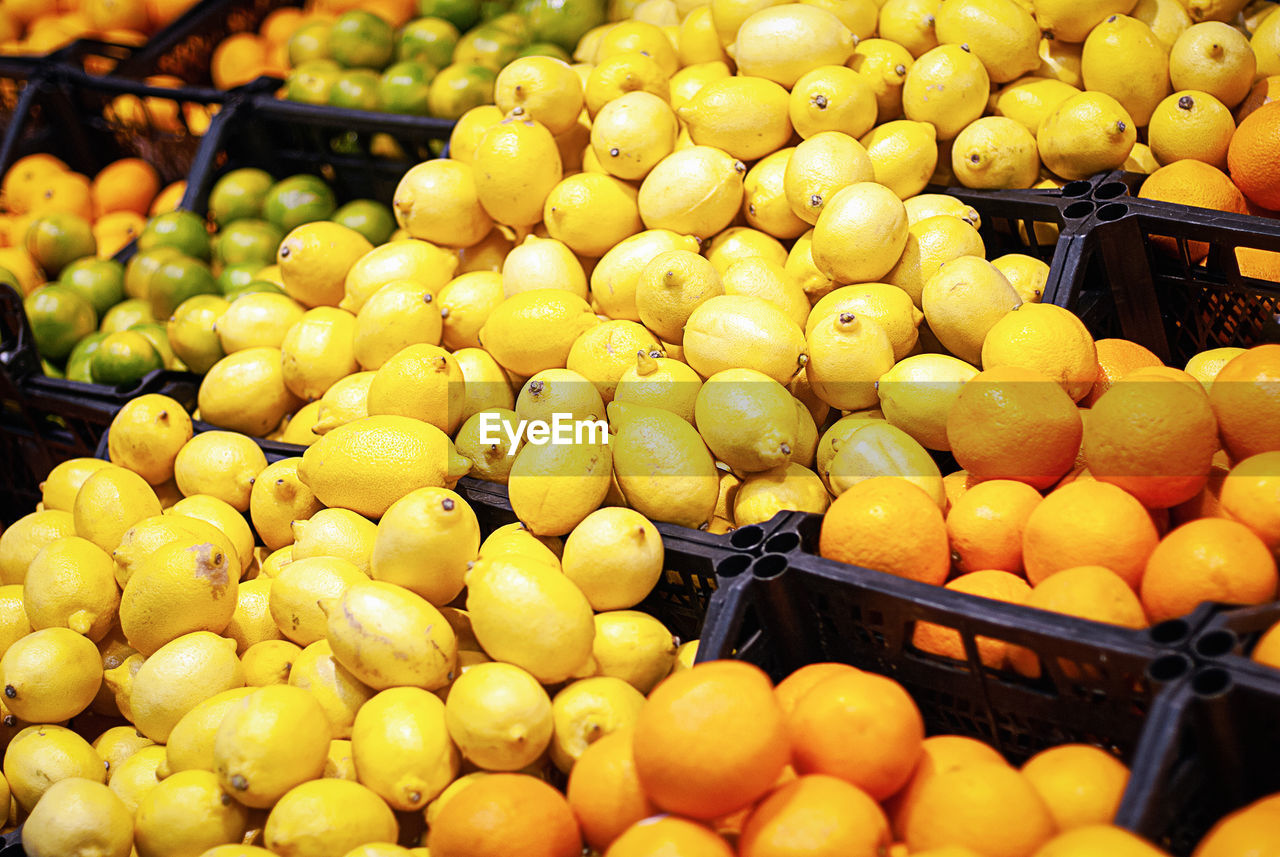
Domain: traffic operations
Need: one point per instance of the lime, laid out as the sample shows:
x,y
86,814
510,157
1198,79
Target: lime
x,y
458,88
489,46
78,361
99,281
177,280
11,280
312,82
564,22
360,39
356,89
515,24
126,314
234,277
309,42
463,14
248,241
59,317
371,219
191,332
239,194
255,286
159,338
124,358
405,88
297,200
181,229
546,49
138,270
490,9
428,40
57,239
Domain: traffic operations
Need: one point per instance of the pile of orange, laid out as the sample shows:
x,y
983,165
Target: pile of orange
x,y
1133,507
41,26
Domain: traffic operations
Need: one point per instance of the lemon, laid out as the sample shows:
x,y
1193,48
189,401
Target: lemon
x,y
219,515
516,166
820,167
401,747
604,352
299,428
339,693
340,765
801,268
543,263
590,213
187,811
1123,58
82,816
221,464
146,435
1213,57
931,243
190,744
136,775
401,313
256,320
1265,43
744,117
789,487
268,742
660,382
499,716
534,330
424,543
422,381
314,259
387,636
782,43
883,64
1071,20
917,393
14,624
181,587
1029,100
685,656
847,354
632,133
946,87
860,234
903,154
806,434
1088,133
337,533
771,282
1048,339
858,15
419,262
118,680
615,280
995,152
295,591
269,661
516,539
729,15
117,744
181,674
615,557
40,756
1027,274
963,301
634,647
275,562
50,675
111,501
662,465
765,197
544,88
328,816
553,486
742,242
59,488
747,419
1190,125
697,43
318,351
465,305
277,500
879,449
437,201
471,126
346,401
1003,34
487,385
622,73
252,623
587,710
492,460
72,584
1060,61
698,73
696,191
742,331
888,306
245,392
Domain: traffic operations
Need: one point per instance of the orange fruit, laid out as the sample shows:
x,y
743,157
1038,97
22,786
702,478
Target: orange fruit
x,y
117,14
1087,592
1191,182
986,806
1206,503
985,525
938,754
955,485
1259,264
115,230
815,816
238,59
1098,839
939,640
860,727
1212,559
1117,358
26,179
1081,784
1088,523
1014,423
796,685
1264,91
129,184
604,791
1251,495
1253,831
888,524
1267,649
1251,156
64,192
1246,400
515,815
1152,438
668,836
161,13
710,740
169,198
280,24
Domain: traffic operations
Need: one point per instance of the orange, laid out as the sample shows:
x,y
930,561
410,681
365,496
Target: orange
x,y
710,740
940,640
955,485
860,727
1251,495
938,754
169,198
26,179
1246,400
1190,182
1264,91
118,14
1087,592
129,184
64,192
280,24
604,791
1014,423
667,836
1154,439
1163,373
1205,504
506,815
238,59
1081,784
1259,264
1251,156
1267,649
888,524
161,13
1117,358
815,816
796,685
988,807
1253,831
985,525
113,231
1088,523
1212,559
1099,839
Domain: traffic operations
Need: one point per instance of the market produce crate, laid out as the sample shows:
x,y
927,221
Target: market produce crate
x,y
1212,745
1228,636
15,72
1097,681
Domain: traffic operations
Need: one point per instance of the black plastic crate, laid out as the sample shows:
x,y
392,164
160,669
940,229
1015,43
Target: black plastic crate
x,y
1212,745
1228,637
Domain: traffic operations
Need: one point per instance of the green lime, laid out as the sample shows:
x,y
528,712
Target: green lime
x,y
191,331
77,368
177,280
309,42
251,288
312,82
564,22
405,88
247,241
182,229
489,46
126,314
159,337
57,239
360,39
124,358
99,281
458,88
233,277
463,14
490,9
546,49
356,89
515,24
371,219
297,200
138,270
428,40
59,317
239,194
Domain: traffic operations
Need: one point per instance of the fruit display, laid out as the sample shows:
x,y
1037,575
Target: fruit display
x,y
39,27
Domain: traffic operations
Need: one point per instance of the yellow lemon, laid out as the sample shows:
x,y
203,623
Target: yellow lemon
x,y
622,73
764,199
1003,34
485,438
1048,339
1216,58
187,810
269,741
742,242
222,516
687,81
917,393
1071,20
879,449
697,42
487,384
401,747
516,166
438,201
744,117
1087,134
634,550
318,351
314,260
820,167
245,392
729,15
963,301
534,330
695,191
554,485
587,710
910,23
995,152
388,636
221,464
80,817
887,305
419,262
181,587
743,331
847,355
465,304
662,466
190,744
1191,125
499,716
111,501
58,490
424,543
632,133
770,281
782,43
615,280
340,813
904,154
50,675
660,382
421,381
295,591
252,623
1123,58
1029,100
931,243
544,88
860,234
634,647
72,584
341,695
832,98
591,213
472,125
277,500
257,320
146,435
542,263
269,661
1027,274
181,674
400,314
136,775
883,64
946,87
